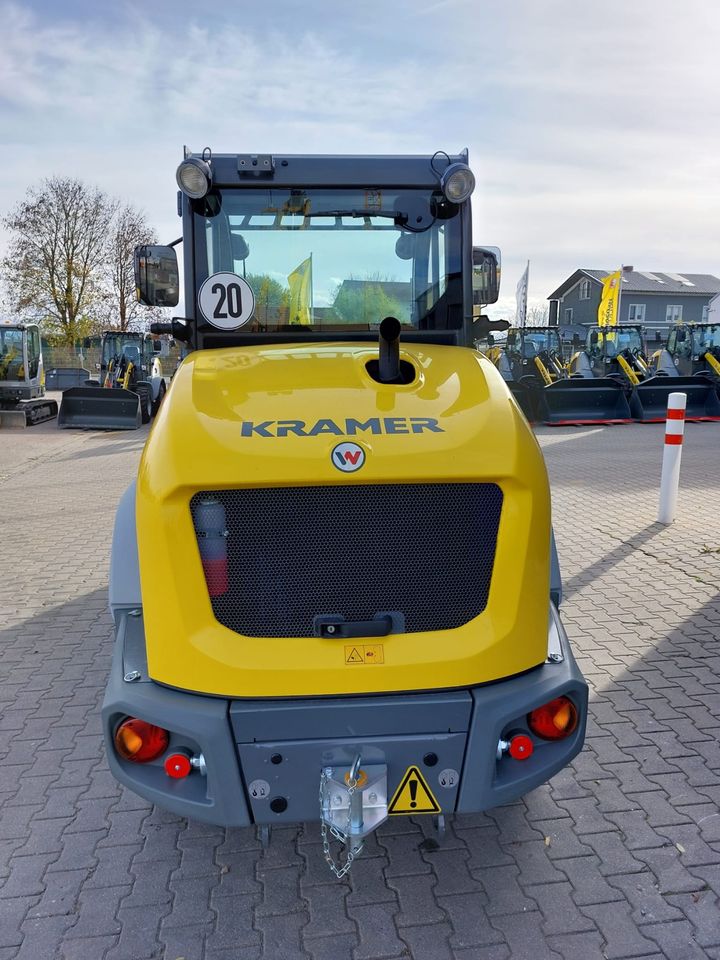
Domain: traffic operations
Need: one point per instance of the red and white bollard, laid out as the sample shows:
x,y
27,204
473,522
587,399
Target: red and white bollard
x,y
670,476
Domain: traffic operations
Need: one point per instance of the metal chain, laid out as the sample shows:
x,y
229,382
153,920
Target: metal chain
x,y
343,868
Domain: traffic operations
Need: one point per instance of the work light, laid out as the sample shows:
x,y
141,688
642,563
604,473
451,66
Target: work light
x,y
193,177
457,182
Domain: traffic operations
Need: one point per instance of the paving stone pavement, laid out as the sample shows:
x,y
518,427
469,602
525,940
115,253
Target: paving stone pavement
x,y
619,856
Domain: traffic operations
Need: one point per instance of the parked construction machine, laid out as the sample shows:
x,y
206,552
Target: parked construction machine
x,y
692,350
618,352
128,392
334,583
22,380
529,359
553,391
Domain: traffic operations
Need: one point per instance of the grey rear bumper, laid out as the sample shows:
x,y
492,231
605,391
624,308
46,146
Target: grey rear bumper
x,y
285,744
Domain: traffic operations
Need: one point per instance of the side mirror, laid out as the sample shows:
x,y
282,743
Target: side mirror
x,y
483,325
485,275
576,341
156,276
157,346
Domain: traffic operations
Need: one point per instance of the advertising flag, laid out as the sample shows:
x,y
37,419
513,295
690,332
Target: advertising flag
x,y
300,283
610,300
521,292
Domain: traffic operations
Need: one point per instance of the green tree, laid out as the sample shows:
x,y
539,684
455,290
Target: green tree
x,y
368,301
270,298
58,250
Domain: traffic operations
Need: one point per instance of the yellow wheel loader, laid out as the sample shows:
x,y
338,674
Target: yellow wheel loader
x,y
691,359
618,353
334,583
129,390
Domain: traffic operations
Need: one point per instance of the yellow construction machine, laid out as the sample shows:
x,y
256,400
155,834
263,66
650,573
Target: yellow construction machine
x,y
334,583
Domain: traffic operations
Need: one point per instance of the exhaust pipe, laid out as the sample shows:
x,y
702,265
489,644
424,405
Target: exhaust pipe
x,y
389,351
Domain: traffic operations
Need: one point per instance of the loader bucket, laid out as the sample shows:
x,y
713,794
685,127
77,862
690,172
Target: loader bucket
x,y
98,408
650,397
580,401
523,394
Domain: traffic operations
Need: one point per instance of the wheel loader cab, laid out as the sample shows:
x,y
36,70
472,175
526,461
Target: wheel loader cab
x,y
338,556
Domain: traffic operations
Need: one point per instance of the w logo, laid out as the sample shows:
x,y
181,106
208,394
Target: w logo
x,y
348,457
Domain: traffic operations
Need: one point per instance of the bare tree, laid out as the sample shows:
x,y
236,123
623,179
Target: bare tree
x,y
539,315
129,229
58,247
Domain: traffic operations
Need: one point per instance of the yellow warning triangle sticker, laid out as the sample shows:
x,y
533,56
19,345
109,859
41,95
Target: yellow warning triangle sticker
x,y
413,795
354,656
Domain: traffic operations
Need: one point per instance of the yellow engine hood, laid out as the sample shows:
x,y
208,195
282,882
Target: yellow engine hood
x,y
267,416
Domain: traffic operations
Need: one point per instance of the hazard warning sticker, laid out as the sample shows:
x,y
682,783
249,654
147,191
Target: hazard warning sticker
x,y
413,795
364,653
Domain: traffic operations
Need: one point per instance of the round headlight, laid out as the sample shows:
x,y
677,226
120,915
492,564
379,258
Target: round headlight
x,y
193,177
457,182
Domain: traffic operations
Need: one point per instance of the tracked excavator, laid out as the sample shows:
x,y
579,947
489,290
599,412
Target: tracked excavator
x,y
22,379
334,583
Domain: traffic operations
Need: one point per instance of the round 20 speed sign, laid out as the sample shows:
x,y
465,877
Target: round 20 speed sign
x,y
226,300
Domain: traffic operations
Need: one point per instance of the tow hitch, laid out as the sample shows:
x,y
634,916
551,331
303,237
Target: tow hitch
x,y
353,803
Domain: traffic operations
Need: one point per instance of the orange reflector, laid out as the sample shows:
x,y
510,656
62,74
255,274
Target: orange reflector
x,y
140,741
177,765
554,720
521,747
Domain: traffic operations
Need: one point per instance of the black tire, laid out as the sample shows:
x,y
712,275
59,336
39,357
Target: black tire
x,y
144,391
161,394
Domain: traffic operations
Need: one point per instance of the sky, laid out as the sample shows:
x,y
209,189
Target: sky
x,y
592,127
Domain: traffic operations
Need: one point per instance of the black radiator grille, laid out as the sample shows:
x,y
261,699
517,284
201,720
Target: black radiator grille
x,y
423,550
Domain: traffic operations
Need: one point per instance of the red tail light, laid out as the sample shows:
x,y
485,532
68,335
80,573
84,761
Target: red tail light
x,y
177,765
140,741
554,720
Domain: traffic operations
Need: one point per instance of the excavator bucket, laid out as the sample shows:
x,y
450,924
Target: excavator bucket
x,y
650,397
580,401
98,408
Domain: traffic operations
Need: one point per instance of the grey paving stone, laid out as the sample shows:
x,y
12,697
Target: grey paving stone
x,y
428,942
234,926
703,912
281,892
327,911
94,948
671,875
451,868
580,946
378,937
282,936
417,899
676,941
469,921
560,914
404,855
524,936
13,912
503,891
138,933
331,948
641,892
588,884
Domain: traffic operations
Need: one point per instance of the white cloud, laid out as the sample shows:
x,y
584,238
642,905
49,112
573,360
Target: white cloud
x,y
592,132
